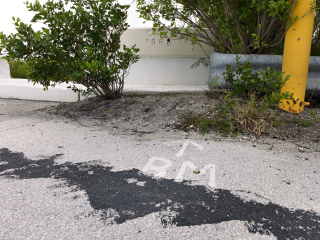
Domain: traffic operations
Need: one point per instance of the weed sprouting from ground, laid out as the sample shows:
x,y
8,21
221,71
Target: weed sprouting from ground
x,y
200,121
305,123
250,107
235,115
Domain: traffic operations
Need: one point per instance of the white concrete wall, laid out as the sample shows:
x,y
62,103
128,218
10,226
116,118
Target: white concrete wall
x,y
152,46
23,89
164,62
169,71
4,69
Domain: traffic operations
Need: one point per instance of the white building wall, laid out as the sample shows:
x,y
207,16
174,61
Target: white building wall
x,y
165,61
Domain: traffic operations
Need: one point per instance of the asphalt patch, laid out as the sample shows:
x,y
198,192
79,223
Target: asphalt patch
x,y
127,195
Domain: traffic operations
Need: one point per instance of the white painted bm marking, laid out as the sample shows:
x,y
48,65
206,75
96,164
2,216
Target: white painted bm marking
x,y
160,166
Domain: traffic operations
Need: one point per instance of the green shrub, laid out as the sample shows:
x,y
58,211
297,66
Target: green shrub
x,y
251,105
19,69
230,26
244,80
79,44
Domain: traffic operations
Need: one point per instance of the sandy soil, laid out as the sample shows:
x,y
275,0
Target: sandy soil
x,y
154,114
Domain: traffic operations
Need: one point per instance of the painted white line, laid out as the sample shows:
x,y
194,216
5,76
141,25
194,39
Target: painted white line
x,y
159,169
211,167
185,145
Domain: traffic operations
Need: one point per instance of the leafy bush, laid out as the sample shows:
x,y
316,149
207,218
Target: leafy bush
x,y
315,47
250,106
19,69
245,81
230,26
80,44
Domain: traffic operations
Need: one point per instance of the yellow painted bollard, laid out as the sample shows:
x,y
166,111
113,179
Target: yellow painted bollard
x,y
296,55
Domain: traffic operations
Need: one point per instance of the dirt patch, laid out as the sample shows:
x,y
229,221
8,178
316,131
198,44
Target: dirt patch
x,y
143,113
163,112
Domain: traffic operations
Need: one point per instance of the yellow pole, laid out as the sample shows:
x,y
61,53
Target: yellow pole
x,y
296,55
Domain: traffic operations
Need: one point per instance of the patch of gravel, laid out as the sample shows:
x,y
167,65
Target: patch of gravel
x,y
146,114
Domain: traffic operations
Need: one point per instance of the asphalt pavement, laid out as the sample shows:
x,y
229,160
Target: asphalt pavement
x,y
63,180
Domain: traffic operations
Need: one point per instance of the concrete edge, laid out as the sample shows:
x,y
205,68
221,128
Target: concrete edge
x,y
23,89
